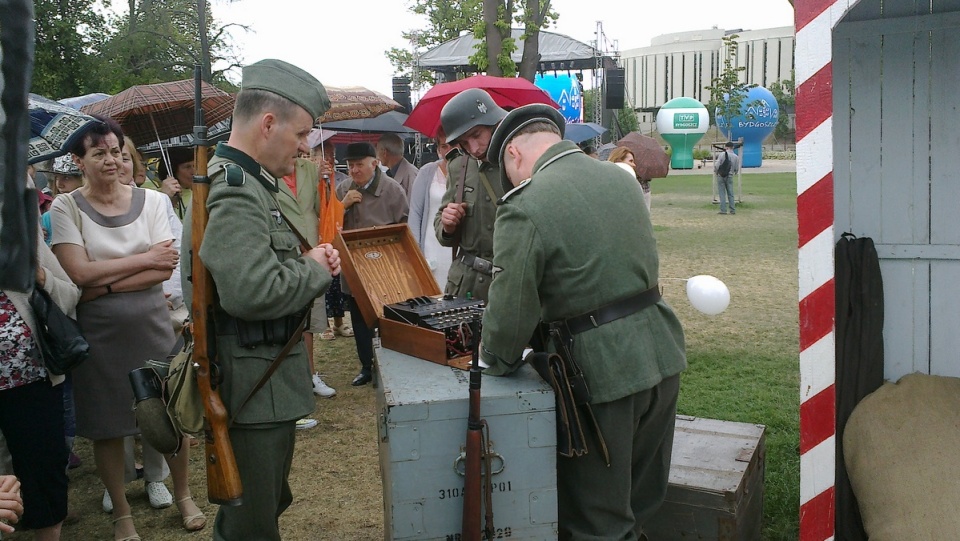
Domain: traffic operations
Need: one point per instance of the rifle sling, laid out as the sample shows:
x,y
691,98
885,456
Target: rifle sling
x,y
297,335
459,199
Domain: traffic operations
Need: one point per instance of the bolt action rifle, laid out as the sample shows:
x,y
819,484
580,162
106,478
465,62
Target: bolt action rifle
x,y
223,478
477,457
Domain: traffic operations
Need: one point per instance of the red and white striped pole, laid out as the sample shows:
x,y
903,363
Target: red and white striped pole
x,y
814,22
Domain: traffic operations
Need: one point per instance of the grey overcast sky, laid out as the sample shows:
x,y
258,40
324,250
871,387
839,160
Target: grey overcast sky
x,y
342,42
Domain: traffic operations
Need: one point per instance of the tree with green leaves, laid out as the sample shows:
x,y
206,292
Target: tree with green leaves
x,y
162,40
446,20
485,18
784,92
727,91
69,38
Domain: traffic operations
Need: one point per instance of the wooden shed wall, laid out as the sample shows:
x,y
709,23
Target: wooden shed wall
x,y
896,72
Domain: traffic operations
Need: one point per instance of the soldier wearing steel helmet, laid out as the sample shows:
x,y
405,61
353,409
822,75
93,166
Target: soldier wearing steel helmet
x,y
469,206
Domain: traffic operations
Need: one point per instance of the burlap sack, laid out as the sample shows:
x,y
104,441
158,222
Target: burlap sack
x,y
902,451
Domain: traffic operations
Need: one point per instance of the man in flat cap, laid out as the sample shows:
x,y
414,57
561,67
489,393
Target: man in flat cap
x,y
599,290
371,198
467,212
265,285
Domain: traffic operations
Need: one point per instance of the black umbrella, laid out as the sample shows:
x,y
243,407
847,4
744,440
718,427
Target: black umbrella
x,y
391,122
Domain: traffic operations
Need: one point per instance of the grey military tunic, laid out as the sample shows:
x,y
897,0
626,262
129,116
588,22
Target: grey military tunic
x,y
256,265
476,228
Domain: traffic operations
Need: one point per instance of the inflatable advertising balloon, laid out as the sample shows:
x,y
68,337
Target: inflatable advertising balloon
x,y
565,90
708,294
758,116
682,122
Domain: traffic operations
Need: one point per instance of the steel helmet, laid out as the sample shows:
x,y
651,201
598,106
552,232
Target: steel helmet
x,y
472,107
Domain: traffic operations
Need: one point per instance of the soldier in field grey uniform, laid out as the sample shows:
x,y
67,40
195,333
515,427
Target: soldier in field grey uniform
x,y
561,257
468,120
264,285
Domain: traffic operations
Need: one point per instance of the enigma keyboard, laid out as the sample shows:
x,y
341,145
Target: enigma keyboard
x,y
448,314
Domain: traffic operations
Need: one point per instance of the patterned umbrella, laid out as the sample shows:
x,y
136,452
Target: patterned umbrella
x,y
54,128
356,102
652,161
507,92
163,110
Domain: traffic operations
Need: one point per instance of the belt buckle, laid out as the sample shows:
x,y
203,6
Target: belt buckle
x,y
482,265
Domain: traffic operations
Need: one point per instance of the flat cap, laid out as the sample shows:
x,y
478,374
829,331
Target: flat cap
x,y
288,81
515,121
356,151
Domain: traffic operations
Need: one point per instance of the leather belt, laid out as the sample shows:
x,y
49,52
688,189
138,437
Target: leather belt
x,y
478,264
612,312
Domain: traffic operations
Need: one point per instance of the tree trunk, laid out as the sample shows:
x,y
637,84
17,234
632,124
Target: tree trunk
x,y
494,39
531,45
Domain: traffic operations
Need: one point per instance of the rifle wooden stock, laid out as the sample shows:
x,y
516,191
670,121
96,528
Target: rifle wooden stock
x,y
475,450
223,477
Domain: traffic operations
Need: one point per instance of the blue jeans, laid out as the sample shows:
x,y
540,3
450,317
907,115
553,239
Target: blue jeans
x,y
725,192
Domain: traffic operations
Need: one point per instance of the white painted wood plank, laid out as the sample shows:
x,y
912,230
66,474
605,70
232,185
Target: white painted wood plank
x,y
921,135
896,180
945,138
905,316
865,143
944,338
841,137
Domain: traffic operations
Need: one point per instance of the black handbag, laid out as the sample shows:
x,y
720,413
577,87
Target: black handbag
x,y
58,336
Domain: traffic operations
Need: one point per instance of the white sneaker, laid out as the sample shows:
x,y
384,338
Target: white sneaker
x,y
322,389
303,424
107,503
158,495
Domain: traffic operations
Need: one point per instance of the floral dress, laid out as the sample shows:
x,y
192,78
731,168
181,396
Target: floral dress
x,y
19,364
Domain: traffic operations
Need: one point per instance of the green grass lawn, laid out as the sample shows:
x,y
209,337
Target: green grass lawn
x,y
743,364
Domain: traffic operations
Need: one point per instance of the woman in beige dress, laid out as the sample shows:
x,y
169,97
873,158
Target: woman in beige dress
x,y
114,241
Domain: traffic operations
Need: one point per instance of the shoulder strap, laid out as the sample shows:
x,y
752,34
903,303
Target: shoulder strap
x,y
487,186
297,335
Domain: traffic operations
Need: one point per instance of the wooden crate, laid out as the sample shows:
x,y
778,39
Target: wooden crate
x,y
716,483
383,265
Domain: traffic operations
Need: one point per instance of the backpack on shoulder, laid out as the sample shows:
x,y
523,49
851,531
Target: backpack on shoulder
x,y
724,169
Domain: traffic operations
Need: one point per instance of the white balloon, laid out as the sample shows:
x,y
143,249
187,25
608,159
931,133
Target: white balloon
x,y
708,294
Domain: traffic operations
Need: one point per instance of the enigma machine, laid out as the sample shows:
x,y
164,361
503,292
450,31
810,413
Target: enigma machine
x,y
448,314
396,291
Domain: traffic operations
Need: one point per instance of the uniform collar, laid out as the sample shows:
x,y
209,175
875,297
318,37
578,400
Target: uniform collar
x,y
554,153
249,165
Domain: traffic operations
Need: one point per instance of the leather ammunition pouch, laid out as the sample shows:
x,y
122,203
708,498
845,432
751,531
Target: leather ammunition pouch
x,y
272,332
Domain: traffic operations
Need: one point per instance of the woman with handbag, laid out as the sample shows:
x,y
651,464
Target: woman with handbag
x,y
31,401
114,241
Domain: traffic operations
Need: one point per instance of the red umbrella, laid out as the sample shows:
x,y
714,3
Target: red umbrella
x,y
507,92
652,161
163,110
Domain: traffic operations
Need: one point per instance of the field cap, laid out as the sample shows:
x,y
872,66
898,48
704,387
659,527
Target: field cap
x,y
288,81
515,121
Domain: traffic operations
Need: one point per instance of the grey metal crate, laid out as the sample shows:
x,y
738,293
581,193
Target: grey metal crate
x,y
423,410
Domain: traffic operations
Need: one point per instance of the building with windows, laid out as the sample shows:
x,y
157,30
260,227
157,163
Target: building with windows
x,y
685,63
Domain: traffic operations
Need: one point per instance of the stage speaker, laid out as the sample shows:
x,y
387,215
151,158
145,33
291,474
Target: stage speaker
x,y
401,92
614,95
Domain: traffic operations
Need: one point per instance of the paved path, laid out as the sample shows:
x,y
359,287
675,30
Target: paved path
x,y
768,166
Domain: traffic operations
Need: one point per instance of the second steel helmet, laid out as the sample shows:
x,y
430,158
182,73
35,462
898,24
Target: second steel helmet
x,y
472,107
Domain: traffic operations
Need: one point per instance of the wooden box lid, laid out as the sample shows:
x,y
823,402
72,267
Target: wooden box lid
x,y
383,265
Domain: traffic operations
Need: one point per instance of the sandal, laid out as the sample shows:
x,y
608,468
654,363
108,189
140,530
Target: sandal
x,y
133,537
328,334
344,330
192,523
